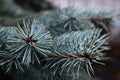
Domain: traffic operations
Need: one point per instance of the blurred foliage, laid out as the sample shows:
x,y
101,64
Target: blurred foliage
x,y
13,11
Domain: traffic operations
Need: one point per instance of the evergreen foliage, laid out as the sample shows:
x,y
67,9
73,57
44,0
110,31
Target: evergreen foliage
x,y
79,50
65,49
68,19
3,35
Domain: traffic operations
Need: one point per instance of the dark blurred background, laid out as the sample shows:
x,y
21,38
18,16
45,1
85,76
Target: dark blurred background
x,y
12,11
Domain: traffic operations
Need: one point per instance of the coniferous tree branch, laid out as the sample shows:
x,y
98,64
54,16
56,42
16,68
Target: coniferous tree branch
x,y
3,35
27,44
83,48
69,19
9,63
75,44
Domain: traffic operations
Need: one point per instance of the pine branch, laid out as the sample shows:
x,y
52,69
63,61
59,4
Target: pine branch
x,y
30,42
4,33
79,50
69,55
68,19
10,62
